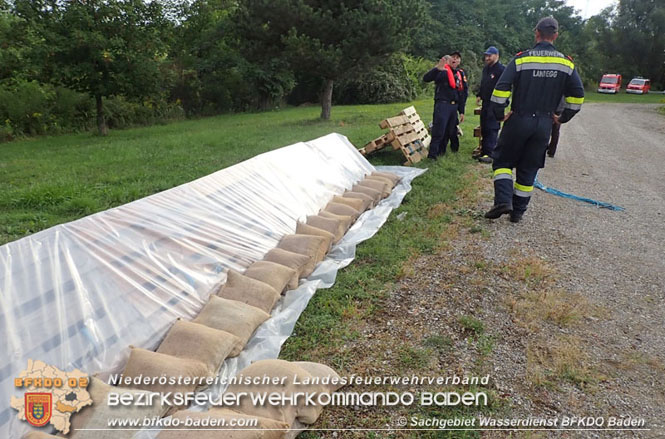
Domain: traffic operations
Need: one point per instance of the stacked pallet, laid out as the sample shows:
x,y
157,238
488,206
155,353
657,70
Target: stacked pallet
x,y
407,132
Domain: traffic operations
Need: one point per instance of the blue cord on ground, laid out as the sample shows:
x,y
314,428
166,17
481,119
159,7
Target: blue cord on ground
x,y
550,190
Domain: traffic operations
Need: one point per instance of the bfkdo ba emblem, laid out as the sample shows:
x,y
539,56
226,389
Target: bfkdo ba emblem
x,y
38,408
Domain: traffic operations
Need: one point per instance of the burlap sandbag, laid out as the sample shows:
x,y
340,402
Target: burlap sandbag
x,y
232,316
345,220
356,203
276,275
250,291
331,378
198,342
286,372
289,259
98,414
369,202
306,229
331,225
381,186
329,382
153,364
342,209
389,175
271,426
309,245
387,181
377,195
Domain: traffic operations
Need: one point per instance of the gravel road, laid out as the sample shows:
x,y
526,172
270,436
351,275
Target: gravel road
x,y
613,153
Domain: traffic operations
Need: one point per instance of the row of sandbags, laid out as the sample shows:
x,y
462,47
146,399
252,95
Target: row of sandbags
x,y
226,323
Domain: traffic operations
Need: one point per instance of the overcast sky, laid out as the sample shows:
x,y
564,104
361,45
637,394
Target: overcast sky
x,y
587,8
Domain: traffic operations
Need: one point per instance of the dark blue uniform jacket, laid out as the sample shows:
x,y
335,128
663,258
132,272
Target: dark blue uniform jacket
x,y
538,78
490,77
443,90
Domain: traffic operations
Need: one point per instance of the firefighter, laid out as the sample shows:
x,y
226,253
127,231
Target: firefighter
x,y
455,131
446,104
489,126
538,78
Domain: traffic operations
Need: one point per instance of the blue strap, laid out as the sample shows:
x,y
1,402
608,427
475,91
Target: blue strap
x,y
550,190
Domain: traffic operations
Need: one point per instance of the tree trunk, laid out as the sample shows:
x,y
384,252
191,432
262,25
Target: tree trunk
x,y
101,122
326,99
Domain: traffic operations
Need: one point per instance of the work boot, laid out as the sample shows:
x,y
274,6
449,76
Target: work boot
x,y
498,210
485,159
516,217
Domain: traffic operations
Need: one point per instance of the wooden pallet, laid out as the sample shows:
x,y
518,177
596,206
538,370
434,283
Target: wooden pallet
x,y
406,132
418,125
378,143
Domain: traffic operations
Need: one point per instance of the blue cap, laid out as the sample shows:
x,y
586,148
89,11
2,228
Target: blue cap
x,y
547,24
492,51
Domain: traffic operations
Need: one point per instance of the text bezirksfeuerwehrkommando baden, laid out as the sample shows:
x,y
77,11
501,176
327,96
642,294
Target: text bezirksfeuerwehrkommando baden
x,y
308,396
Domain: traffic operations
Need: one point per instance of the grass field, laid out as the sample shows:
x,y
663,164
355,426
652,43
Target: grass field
x,y
625,98
51,180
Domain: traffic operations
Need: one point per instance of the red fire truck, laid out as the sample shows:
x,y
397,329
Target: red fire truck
x,y
638,85
610,83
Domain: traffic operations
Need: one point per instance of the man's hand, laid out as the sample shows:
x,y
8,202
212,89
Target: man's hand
x,y
478,100
510,113
442,64
555,118
461,118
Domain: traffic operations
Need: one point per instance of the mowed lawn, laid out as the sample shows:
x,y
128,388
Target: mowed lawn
x,y
52,180
625,98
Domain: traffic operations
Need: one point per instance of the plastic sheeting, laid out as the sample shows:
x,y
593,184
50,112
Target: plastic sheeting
x,y
271,335
78,294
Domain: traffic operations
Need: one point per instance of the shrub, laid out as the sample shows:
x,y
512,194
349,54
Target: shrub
x,y
28,108
24,105
6,131
396,80
73,111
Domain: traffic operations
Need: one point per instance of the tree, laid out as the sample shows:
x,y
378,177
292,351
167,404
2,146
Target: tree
x,y
21,47
639,28
327,39
471,26
213,76
592,48
101,47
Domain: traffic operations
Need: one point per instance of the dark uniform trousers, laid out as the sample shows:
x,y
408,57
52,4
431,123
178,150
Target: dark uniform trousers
x,y
489,130
452,134
522,145
445,113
